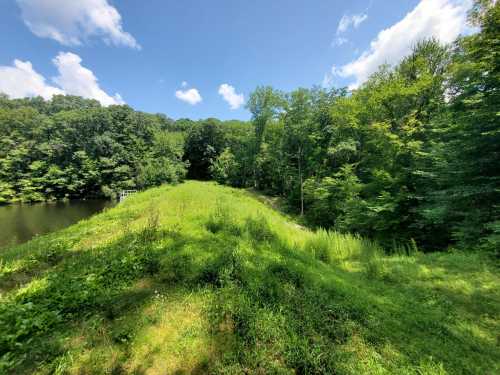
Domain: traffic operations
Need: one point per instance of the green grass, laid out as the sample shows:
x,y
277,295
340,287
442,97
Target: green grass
x,y
200,278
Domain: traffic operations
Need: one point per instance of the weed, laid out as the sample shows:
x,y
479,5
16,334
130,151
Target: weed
x,y
320,246
222,220
258,229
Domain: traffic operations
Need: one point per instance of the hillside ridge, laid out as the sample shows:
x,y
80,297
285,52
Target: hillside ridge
x,y
200,278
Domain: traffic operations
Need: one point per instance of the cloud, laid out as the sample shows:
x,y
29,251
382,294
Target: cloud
x,y
75,79
441,19
347,21
339,40
191,96
72,22
21,80
229,94
328,80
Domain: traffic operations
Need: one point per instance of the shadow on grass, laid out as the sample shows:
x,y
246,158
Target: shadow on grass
x,y
95,284
294,312
42,253
274,307
40,261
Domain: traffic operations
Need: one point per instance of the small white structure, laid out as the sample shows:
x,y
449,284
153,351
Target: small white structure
x,y
125,193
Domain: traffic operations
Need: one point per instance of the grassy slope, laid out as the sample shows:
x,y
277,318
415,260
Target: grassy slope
x,y
200,278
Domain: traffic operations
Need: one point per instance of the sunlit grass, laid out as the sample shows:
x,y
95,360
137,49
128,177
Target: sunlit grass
x,y
200,278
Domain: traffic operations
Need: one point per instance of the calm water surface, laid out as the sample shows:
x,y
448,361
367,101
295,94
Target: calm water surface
x,y
21,222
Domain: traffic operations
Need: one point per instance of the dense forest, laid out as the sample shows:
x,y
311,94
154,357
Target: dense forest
x,y
412,155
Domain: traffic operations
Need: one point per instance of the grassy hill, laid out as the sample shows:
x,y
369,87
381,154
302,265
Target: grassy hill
x,y
200,278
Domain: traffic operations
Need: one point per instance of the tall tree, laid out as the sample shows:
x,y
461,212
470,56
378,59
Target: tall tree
x,y
264,104
297,129
470,153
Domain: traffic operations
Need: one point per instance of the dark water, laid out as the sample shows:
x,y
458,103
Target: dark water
x,y
21,222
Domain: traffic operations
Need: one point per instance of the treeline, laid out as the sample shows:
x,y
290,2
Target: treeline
x,y
71,148
411,155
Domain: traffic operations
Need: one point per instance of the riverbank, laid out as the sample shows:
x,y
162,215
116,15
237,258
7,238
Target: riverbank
x,y
200,278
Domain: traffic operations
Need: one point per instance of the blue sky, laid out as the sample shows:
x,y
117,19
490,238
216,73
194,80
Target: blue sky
x,y
143,52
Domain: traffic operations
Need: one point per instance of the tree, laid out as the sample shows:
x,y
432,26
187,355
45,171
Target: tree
x,y
297,129
70,147
469,151
204,143
226,169
163,163
264,104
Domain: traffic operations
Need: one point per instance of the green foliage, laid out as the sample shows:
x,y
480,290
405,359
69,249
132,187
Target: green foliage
x,y
164,163
226,169
200,278
203,278
71,147
332,247
264,104
258,229
334,201
7,192
467,174
204,143
411,155
222,220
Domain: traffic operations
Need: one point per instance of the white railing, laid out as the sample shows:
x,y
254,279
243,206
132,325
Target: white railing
x,y
125,193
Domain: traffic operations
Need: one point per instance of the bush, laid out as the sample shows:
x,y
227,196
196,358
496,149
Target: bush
x,y
226,169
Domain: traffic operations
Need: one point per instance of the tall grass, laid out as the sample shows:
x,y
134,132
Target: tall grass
x,y
331,246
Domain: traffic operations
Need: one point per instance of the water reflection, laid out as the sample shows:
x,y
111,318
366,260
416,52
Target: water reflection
x,y
21,222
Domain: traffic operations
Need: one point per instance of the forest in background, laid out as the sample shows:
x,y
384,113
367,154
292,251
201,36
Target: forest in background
x,y
411,155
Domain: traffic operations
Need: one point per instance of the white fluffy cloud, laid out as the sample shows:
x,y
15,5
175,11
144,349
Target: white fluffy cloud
x,y
75,79
441,19
347,21
191,96
229,94
21,80
71,22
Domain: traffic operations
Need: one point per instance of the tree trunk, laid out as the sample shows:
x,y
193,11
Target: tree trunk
x,y
301,185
